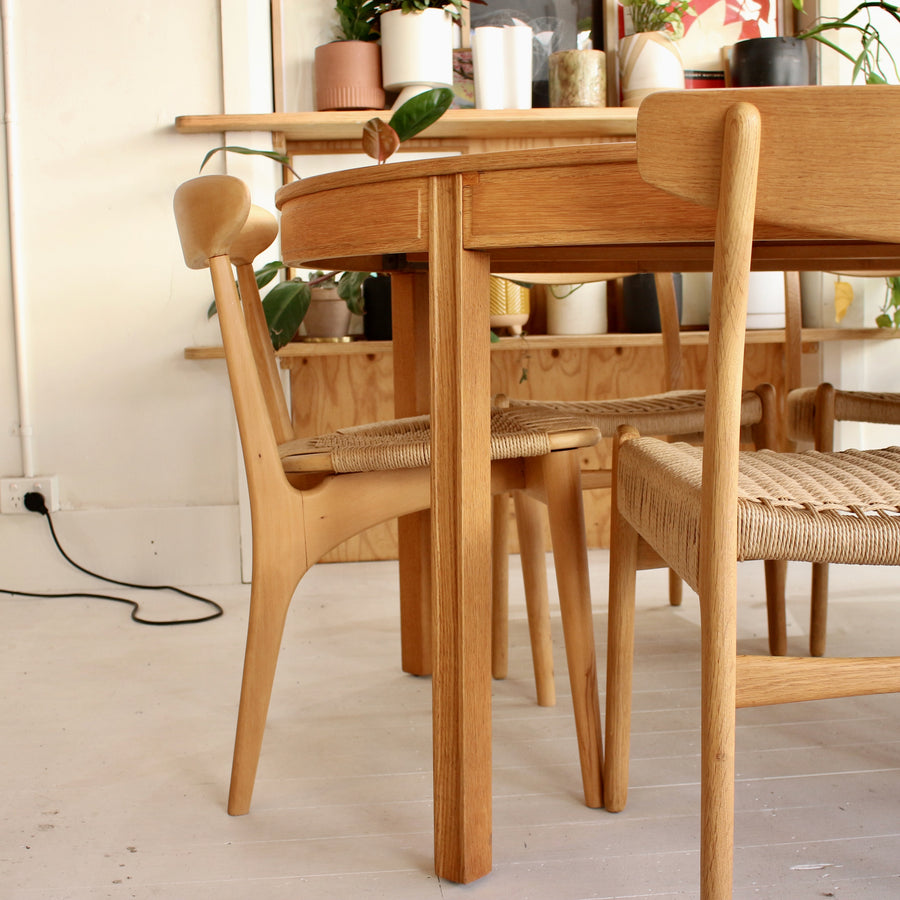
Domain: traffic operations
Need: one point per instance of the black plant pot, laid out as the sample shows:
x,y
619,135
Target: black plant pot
x,y
377,318
769,61
640,309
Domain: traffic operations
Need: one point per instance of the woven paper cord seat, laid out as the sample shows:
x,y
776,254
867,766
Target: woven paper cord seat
x,y
406,443
849,406
811,416
671,413
842,507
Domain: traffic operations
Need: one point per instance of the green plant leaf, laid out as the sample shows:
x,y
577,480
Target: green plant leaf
x,y
211,311
285,306
884,321
350,290
420,111
268,272
249,151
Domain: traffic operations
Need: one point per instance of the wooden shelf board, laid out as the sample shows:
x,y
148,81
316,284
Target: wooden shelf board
x,y
563,342
455,124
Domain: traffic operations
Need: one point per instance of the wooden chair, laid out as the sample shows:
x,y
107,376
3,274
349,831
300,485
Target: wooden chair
x,y
673,413
811,414
703,510
309,494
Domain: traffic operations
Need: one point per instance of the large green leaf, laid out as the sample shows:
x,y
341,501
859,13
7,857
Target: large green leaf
x,y
285,306
268,272
420,111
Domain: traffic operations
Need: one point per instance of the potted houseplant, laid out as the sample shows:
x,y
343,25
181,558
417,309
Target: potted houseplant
x,y
785,60
348,70
417,44
323,302
649,59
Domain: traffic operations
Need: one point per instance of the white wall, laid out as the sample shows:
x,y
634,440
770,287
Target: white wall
x,y
143,441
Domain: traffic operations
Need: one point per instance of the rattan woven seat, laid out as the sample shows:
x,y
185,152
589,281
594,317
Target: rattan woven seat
x,y
849,406
406,443
811,416
841,507
669,413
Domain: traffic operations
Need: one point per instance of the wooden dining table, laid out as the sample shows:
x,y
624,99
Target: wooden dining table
x,y
440,227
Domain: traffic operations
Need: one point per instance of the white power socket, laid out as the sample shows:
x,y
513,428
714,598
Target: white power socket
x,y
13,491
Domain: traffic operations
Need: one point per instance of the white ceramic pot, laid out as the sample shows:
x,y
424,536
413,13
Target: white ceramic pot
x,y
416,51
765,300
648,62
576,308
328,316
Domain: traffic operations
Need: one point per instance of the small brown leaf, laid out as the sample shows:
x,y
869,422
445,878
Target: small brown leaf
x,y
379,139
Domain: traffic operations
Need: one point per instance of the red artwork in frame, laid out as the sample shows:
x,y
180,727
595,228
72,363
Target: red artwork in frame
x,y
716,24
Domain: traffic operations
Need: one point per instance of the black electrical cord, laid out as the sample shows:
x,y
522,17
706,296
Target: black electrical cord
x,y
34,501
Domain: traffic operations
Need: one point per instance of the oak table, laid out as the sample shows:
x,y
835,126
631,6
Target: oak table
x,y
440,227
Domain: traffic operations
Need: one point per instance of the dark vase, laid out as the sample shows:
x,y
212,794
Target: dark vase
x,y
758,62
640,309
377,318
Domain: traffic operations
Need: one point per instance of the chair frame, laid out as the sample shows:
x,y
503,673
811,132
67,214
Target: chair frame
x,y
298,516
741,166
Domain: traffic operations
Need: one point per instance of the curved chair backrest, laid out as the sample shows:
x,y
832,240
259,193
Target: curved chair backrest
x,y
215,218
258,233
210,212
809,149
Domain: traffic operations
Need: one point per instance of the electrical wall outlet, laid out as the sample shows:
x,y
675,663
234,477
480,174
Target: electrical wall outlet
x,y
13,491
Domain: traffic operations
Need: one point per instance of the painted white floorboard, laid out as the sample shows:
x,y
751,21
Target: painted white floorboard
x,y
117,739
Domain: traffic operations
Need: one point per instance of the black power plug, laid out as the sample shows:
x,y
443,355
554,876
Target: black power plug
x,y
34,502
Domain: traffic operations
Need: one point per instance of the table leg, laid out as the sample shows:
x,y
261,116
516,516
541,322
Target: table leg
x,y
461,539
409,302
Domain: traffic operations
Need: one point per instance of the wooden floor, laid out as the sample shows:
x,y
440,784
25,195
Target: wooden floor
x,y
116,744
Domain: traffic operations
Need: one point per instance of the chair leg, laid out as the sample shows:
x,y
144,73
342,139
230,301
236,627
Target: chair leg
x,y
824,440
718,717
529,525
623,559
562,480
270,596
675,589
818,613
500,586
776,577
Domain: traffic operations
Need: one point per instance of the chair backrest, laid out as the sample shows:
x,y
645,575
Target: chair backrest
x,y
811,151
215,219
819,160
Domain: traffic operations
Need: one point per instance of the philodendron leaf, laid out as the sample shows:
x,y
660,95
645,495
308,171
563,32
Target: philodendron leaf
x,y
268,272
249,151
285,306
350,290
379,140
420,111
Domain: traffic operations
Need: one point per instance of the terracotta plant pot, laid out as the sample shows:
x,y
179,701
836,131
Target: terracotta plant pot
x,y
758,62
348,76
